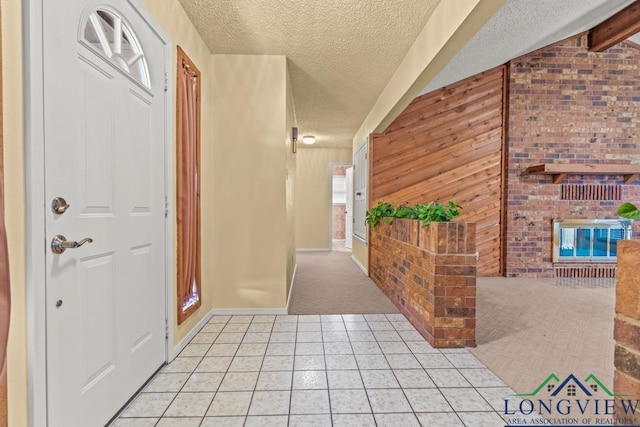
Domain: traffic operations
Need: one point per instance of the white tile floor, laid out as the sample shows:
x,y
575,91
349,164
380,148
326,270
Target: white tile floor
x,y
318,370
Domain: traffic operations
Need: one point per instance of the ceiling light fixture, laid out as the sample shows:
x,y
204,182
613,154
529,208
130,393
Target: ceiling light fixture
x,y
308,139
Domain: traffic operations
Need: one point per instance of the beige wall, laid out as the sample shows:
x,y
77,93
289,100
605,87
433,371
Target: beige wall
x,y
449,28
313,195
14,197
174,21
290,188
250,165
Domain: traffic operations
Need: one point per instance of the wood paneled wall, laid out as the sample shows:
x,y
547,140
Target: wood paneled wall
x,y
448,145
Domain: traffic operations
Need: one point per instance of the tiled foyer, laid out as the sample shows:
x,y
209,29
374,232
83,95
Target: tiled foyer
x,y
318,370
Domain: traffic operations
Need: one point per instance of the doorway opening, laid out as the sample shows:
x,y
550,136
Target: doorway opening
x,y
341,210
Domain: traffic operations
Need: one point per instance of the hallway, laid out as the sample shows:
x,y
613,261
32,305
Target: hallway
x,y
331,283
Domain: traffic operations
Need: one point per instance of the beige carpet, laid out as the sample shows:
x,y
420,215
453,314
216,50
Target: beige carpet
x,y
331,283
528,329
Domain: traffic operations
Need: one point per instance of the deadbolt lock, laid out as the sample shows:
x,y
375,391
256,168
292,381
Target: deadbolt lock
x,y
59,205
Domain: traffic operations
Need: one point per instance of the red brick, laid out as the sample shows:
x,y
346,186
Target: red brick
x,y
447,343
628,280
460,291
420,283
552,121
624,384
626,332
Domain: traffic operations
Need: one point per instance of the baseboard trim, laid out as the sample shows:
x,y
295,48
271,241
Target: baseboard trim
x,y
313,250
175,351
247,311
355,260
293,281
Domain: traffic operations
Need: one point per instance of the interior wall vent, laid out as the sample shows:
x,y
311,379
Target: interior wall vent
x,y
590,192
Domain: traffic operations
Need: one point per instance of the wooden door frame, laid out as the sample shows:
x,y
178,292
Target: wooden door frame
x,y
34,181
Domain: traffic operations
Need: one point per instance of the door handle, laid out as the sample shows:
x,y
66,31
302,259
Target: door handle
x,y
59,243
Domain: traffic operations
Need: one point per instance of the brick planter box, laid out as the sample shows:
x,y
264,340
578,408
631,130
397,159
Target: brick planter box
x,y
430,275
626,330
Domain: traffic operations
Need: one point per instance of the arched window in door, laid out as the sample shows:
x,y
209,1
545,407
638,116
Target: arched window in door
x,y
111,37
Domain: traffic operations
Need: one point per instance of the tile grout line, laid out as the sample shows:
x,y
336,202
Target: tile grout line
x,y
230,363
295,343
246,416
222,379
326,368
393,372
364,387
192,372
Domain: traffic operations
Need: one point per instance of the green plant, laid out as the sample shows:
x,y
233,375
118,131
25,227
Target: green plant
x,y
432,211
374,215
629,211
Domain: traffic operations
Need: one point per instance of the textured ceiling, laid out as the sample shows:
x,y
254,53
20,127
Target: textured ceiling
x,y
522,26
341,53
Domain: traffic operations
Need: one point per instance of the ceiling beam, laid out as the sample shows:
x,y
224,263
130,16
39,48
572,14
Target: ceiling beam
x,y
617,28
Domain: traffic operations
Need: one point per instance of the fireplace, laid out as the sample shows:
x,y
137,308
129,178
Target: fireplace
x,y
588,240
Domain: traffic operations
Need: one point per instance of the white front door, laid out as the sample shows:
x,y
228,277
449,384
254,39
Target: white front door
x,y
104,104
348,226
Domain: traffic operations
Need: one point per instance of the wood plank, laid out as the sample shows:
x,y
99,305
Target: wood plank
x,y
437,142
412,174
560,171
387,157
503,190
557,179
446,124
615,29
429,152
470,96
487,101
428,101
583,169
480,178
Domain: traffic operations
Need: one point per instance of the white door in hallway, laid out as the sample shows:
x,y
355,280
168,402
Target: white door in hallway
x,y
104,132
348,228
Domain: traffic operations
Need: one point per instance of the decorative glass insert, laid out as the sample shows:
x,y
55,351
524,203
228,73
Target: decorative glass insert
x,y
588,240
111,37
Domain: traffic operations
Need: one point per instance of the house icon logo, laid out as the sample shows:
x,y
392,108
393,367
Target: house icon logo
x,y
571,386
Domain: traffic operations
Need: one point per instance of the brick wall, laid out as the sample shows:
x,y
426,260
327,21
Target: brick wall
x,y
566,105
429,273
339,224
627,324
